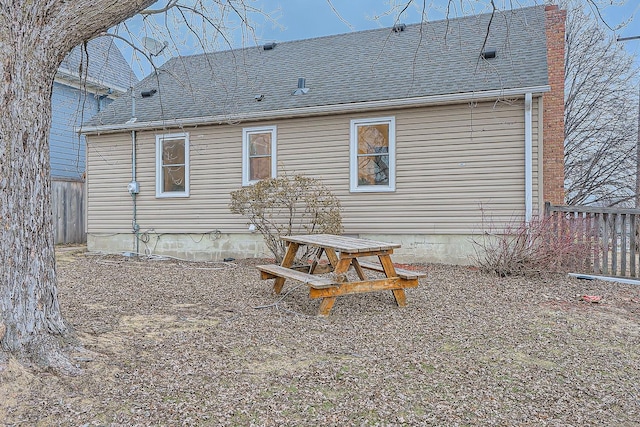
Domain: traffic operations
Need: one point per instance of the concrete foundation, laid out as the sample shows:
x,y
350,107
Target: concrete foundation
x,y
446,249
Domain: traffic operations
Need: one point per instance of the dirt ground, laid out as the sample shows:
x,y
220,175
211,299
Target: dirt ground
x,y
174,343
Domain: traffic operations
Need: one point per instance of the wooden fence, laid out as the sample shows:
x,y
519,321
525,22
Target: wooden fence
x,y
613,234
67,202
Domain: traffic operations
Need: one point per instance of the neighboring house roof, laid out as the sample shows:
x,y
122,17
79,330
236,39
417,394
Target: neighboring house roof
x,y
79,92
426,62
107,68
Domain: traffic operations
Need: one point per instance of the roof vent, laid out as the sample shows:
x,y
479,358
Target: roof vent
x,y
488,54
269,46
302,89
398,28
148,93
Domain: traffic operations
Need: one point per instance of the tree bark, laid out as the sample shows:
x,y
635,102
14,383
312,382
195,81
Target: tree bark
x,y
34,38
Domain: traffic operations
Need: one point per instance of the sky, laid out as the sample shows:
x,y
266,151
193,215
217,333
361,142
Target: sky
x,y
313,18
300,19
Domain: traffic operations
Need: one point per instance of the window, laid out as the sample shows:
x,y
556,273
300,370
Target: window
x,y
172,165
258,154
373,154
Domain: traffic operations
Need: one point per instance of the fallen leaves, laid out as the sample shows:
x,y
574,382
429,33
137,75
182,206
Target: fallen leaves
x,y
171,343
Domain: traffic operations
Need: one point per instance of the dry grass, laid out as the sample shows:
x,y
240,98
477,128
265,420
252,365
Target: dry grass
x,y
180,344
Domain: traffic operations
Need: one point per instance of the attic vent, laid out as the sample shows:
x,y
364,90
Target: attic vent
x,y
148,93
269,46
302,89
398,28
488,54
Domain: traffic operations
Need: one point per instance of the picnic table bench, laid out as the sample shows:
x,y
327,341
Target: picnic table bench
x,y
342,253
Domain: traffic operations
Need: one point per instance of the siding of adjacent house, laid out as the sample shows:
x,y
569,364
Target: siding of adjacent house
x,y
70,108
452,160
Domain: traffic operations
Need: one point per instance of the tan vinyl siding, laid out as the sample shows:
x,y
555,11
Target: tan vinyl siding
x,y
215,165
109,204
451,160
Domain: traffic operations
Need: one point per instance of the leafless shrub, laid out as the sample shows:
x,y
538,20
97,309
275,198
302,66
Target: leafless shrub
x,y
545,244
286,206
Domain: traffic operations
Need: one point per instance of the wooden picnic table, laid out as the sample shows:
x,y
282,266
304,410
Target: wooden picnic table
x,y
342,252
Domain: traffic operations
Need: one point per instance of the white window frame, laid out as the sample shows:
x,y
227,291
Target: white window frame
x,y
159,175
353,161
246,132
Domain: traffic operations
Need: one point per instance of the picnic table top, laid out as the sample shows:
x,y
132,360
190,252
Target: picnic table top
x,y
341,243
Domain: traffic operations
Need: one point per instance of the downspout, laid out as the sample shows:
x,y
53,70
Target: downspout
x,y
133,185
133,191
528,159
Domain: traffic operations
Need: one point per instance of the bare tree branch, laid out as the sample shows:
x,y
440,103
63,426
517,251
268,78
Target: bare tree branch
x,y
600,113
335,11
169,5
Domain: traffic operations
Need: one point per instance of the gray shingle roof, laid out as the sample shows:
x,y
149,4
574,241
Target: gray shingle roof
x,y
434,58
107,66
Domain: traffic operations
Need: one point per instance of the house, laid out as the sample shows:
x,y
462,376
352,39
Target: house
x,y
420,130
86,82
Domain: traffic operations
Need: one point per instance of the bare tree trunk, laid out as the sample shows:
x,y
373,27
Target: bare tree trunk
x,y
28,300
34,38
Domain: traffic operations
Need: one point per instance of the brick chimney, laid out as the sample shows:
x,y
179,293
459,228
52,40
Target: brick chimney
x,y
553,108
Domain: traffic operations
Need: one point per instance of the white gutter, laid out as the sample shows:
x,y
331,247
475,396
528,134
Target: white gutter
x,y
74,79
318,110
528,158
